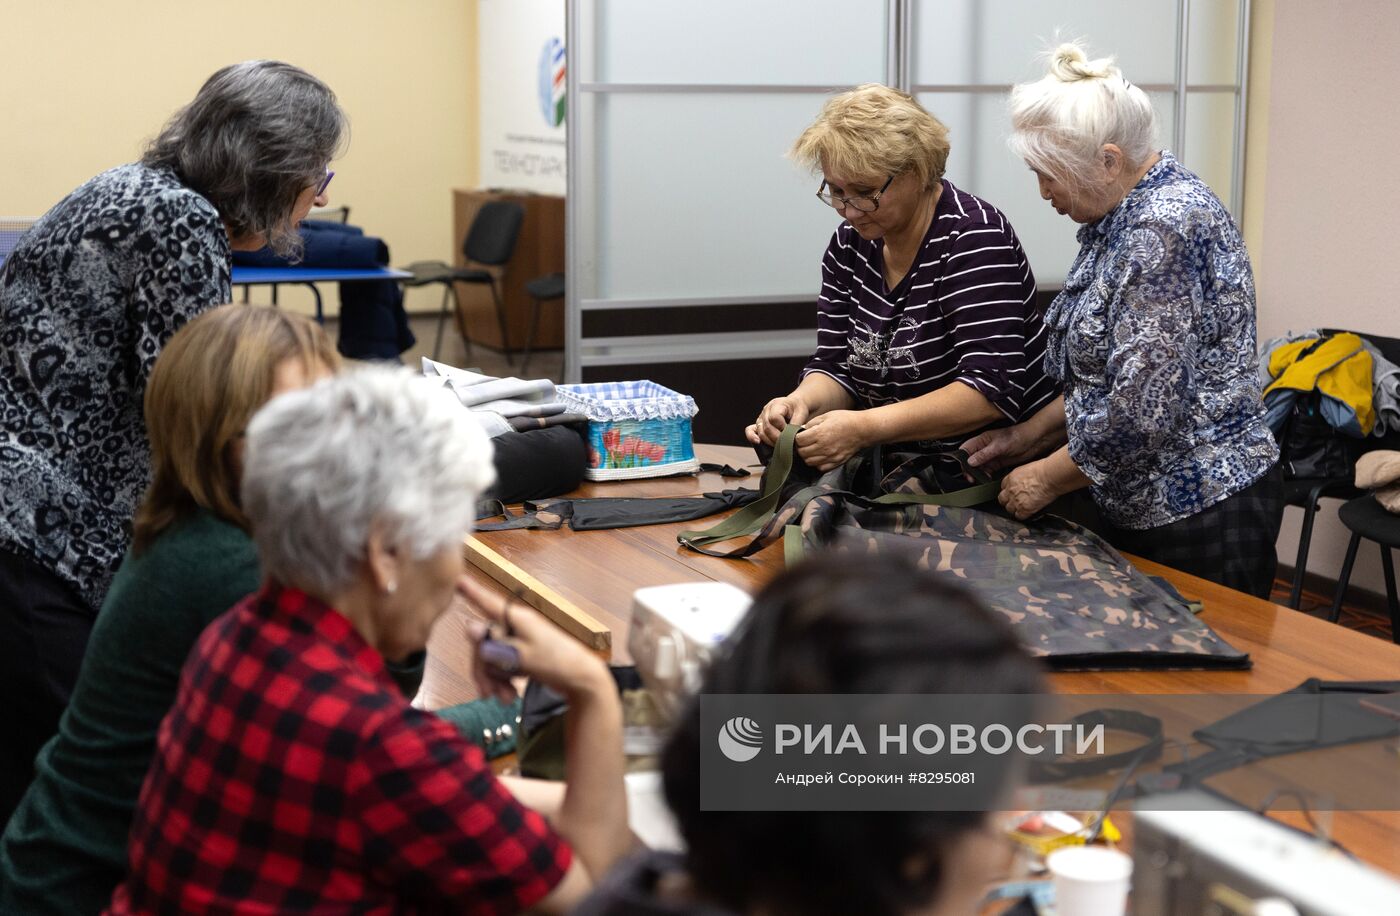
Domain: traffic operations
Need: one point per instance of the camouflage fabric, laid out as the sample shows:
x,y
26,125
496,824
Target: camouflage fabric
x,y
1073,598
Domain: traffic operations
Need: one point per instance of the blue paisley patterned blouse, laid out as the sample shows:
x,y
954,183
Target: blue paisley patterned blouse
x,y
1154,340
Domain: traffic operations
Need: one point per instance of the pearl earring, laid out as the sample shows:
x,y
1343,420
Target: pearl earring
x,y
391,587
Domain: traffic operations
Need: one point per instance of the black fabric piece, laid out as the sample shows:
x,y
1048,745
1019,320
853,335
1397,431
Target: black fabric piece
x,y
537,463
44,629
1315,714
408,674
606,512
1123,720
725,470
373,323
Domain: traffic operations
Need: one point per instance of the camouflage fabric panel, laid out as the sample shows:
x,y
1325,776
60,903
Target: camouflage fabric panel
x,y
1073,598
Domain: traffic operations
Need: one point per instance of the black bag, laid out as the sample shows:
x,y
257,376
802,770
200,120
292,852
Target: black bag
x,y
1310,447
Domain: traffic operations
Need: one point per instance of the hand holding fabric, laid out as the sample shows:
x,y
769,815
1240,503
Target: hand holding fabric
x,y
830,440
1028,489
774,418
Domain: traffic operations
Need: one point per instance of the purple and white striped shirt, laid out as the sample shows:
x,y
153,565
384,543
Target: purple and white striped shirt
x,y
965,312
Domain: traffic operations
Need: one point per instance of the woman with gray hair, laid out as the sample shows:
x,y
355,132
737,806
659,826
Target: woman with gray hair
x,y
290,774
88,297
1153,338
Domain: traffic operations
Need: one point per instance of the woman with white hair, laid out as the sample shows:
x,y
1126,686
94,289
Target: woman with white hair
x,y
1153,338
927,324
291,775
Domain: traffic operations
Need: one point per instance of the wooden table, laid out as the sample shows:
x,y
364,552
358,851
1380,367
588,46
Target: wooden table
x,y
584,581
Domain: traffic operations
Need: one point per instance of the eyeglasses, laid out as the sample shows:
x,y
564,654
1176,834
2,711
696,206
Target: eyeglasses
x,y
321,188
865,203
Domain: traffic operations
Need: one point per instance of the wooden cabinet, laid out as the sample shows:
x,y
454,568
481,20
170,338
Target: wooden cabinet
x,y
539,251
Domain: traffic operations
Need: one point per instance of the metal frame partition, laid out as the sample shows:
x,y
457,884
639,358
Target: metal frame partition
x,y
596,154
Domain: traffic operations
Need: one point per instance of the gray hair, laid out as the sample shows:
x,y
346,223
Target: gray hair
x,y
371,448
1060,123
255,137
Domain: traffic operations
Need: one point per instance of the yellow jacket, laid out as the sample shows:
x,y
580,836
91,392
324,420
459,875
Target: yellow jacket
x,y
1340,368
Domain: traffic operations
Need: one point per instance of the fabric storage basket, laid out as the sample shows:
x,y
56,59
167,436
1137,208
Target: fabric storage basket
x,y
635,429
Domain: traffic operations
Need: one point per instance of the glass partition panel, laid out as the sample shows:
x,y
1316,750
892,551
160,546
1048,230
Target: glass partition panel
x,y
792,42
983,42
1210,140
1214,43
697,198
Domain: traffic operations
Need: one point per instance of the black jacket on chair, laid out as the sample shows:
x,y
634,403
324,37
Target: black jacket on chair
x,y
373,323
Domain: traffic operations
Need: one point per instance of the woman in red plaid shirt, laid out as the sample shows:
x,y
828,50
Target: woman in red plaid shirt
x,y
291,775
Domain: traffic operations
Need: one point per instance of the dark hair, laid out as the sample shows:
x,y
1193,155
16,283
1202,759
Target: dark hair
x,y
255,137
861,624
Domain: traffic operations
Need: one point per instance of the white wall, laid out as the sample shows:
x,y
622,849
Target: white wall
x,y
1331,207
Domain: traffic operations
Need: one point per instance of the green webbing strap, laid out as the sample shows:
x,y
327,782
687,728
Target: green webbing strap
x,y
758,513
959,499
793,548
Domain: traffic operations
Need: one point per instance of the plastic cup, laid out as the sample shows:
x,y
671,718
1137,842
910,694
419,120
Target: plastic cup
x,y
1090,881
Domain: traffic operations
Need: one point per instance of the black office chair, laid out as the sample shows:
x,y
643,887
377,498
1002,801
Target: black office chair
x,y
1367,518
541,289
490,241
1306,492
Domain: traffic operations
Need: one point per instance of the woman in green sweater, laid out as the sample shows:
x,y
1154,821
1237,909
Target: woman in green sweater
x,y
191,560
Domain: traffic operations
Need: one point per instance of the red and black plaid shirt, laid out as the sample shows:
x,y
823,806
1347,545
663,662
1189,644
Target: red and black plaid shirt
x,y
291,775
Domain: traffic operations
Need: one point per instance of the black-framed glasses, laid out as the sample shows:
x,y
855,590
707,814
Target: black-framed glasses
x,y
321,188
865,203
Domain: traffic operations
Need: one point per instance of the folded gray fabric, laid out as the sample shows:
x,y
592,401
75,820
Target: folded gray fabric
x,y
1386,396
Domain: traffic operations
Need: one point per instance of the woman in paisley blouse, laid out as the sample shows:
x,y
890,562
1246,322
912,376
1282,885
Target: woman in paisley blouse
x,y
87,299
1153,338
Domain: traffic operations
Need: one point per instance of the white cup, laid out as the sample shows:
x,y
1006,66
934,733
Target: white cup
x,y
1090,880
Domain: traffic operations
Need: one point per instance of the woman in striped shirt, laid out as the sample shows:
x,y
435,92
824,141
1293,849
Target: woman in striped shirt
x,y
927,326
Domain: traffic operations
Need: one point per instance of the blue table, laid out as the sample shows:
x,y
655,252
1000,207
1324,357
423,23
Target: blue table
x,y
308,276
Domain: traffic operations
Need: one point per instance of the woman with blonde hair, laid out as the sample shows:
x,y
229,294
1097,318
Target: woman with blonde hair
x,y
927,325
1153,338
191,559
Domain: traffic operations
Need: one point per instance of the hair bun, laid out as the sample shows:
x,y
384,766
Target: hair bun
x,y
1069,64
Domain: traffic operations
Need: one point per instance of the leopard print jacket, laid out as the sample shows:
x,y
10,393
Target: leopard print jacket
x,y
87,299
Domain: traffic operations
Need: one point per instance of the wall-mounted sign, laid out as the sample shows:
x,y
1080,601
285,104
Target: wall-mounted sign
x,y
522,66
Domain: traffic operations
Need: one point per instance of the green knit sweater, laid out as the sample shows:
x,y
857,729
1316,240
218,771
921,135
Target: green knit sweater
x,y
64,849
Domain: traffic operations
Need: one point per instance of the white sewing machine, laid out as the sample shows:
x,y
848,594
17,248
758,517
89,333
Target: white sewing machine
x,y
675,630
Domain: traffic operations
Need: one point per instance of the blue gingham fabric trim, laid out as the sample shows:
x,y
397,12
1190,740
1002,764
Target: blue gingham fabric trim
x,y
638,400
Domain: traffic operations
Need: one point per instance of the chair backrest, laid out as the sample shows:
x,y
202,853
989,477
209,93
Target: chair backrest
x,y
11,228
491,239
339,214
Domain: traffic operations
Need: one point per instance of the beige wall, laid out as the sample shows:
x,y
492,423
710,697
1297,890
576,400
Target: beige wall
x,y
1329,217
86,83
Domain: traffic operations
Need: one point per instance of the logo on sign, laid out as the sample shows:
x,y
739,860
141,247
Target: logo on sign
x,y
552,72
740,739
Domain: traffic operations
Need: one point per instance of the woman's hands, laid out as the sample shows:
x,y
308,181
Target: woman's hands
x,y
775,417
830,440
1027,489
546,652
999,448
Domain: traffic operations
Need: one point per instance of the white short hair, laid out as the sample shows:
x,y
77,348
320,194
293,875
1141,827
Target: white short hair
x,y
1060,123
373,446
